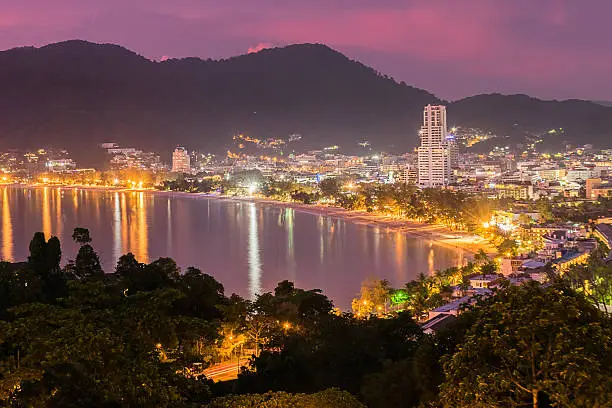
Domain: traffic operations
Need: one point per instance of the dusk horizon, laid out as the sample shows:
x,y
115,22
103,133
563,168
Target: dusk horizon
x,y
261,47
548,50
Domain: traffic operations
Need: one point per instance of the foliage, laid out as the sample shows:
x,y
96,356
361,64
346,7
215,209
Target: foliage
x,y
374,298
508,247
593,279
527,346
330,398
339,353
408,382
81,236
98,343
75,336
330,187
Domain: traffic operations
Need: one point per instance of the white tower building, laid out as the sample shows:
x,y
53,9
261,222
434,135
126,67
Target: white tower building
x,y
180,161
437,152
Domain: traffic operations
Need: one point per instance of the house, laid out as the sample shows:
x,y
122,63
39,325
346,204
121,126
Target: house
x,y
511,265
483,281
452,308
438,323
603,231
562,264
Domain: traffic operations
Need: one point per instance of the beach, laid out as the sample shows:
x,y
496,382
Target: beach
x,y
437,234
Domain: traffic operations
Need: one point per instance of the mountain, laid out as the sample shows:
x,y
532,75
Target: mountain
x,y
604,103
77,94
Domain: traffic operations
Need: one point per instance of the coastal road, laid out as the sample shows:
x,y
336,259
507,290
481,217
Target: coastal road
x,y
225,371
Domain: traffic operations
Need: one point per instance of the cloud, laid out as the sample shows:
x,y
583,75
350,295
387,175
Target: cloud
x,y
259,47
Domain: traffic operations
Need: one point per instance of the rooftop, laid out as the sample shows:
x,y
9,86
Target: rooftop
x,y
454,305
438,323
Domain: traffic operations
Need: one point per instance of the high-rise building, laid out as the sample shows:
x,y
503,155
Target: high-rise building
x,y
437,153
180,161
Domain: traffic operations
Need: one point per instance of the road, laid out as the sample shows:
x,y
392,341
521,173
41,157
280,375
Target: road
x,y
225,371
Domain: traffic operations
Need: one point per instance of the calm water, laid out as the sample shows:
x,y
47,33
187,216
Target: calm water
x,y
248,247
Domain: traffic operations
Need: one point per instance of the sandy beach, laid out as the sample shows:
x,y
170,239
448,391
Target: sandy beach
x,y
438,234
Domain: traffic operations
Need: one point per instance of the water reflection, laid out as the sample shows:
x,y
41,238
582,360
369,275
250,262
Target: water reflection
x,y
169,228
57,202
430,259
255,264
143,230
248,247
46,213
288,218
7,228
117,236
400,255
124,225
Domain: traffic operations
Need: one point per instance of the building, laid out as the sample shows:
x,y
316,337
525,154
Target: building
x,y
511,265
59,165
517,191
409,175
596,187
437,151
580,174
180,161
603,231
452,308
483,281
438,323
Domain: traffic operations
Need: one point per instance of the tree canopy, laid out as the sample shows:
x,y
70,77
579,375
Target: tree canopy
x,y
532,345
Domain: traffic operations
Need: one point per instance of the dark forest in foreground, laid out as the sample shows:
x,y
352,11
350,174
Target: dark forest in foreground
x,y
76,336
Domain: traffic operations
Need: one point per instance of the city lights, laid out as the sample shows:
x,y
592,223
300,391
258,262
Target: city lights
x,y
253,187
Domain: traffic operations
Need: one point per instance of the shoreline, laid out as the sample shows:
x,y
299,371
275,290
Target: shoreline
x,y
437,234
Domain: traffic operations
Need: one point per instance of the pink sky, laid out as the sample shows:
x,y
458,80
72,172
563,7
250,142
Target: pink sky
x,y
546,48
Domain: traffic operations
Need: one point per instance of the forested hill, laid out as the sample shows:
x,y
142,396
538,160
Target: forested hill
x,y
77,93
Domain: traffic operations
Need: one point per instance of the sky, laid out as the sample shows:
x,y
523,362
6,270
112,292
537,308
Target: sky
x,y
552,49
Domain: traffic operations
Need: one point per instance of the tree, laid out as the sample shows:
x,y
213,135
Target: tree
x,y
330,398
593,279
508,247
81,236
44,261
127,265
544,207
45,256
527,346
330,187
481,257
524,220
87,264
489,268
375,296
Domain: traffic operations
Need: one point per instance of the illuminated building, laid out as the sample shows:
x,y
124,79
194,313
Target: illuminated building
x,y
596,187
409,175
437,152
180,161
517,191
60,165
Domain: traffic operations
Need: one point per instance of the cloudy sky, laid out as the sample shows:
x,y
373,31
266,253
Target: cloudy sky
x,y
453,48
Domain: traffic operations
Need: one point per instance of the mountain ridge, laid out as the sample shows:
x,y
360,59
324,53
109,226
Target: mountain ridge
x,y
77,93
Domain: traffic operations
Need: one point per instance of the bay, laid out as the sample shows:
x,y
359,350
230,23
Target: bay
x,y
247,246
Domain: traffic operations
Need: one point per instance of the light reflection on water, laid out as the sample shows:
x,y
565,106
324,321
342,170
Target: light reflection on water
x,y
255,264
7,228
247,247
